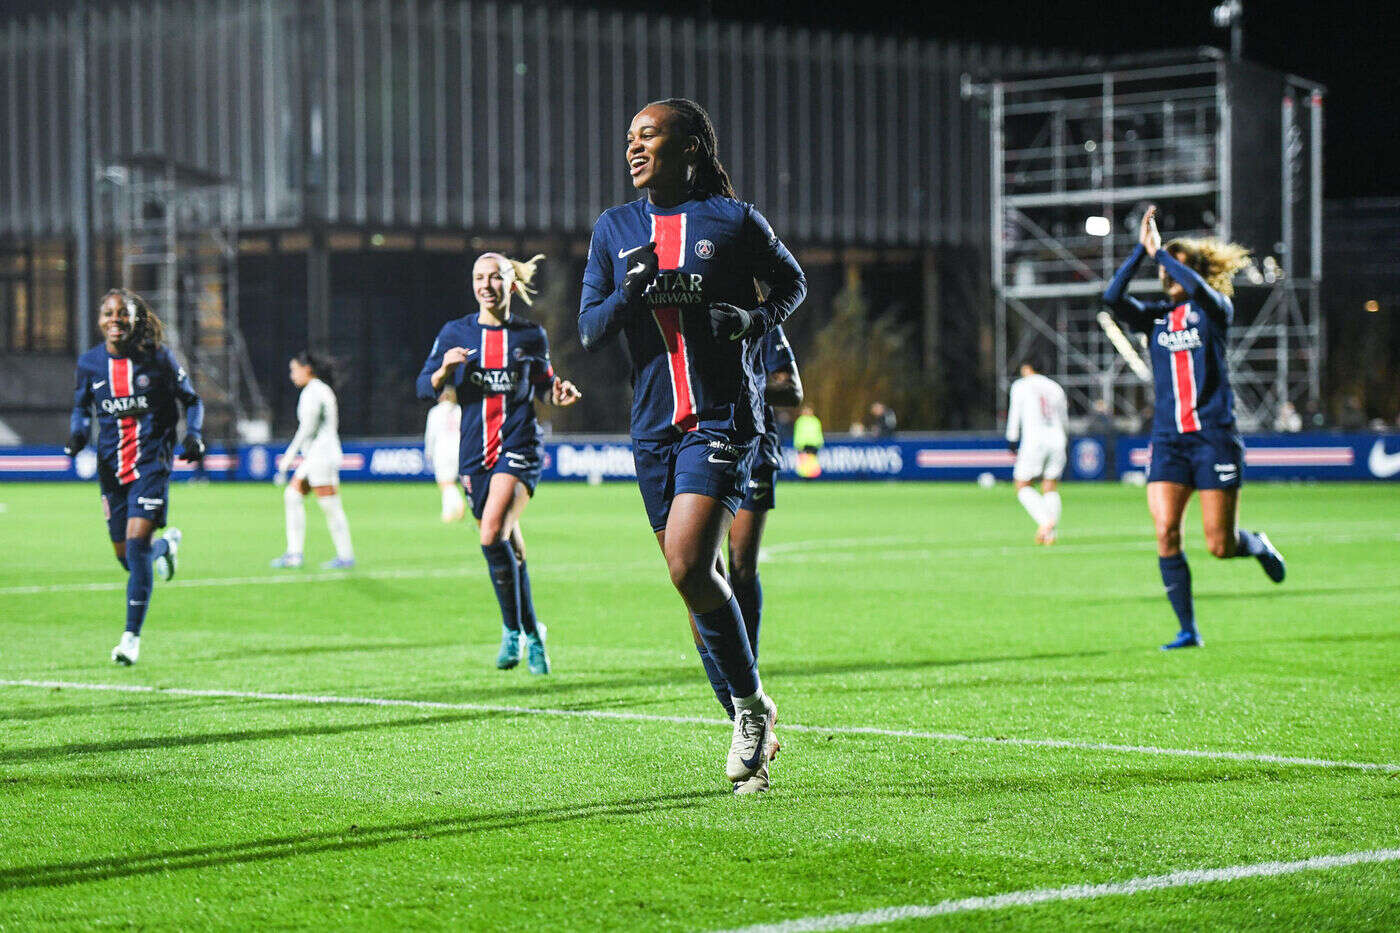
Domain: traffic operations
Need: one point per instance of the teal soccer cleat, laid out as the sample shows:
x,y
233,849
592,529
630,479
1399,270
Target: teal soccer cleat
x,y
539,657
510,649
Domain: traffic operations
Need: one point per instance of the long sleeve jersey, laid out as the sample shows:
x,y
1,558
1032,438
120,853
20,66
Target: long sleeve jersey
x,y
1186,341
137,400
318,425
710,250
774,356
496,386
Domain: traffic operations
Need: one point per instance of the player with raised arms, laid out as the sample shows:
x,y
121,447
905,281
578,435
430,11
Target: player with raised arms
x,y
1194,442
1036,422
137,388
674,272
317,442
498,362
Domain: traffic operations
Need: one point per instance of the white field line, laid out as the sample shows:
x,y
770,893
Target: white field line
x,y
799,552
1073,892
618,715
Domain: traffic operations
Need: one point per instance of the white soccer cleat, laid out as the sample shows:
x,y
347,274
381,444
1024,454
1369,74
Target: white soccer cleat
x,y
128,650
754,740
166,564
757,784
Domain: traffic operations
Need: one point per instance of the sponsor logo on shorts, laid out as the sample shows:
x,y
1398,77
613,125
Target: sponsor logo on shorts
x,y
1225,472
150,505
518,460
731,453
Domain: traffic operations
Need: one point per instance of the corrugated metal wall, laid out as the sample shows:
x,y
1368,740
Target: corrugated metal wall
x,y
490,116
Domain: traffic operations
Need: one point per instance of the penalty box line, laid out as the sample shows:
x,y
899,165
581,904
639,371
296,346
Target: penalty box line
x,y
617,715
1073,892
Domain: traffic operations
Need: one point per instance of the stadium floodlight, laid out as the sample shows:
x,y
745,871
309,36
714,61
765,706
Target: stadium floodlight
x,y
1226,14
1098,226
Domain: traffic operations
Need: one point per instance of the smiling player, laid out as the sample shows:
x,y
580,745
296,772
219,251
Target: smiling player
x,y
674,272
135,384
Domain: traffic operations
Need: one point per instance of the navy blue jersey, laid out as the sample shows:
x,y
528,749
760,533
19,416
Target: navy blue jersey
x,y
774,356
496,386
683,377
1190,372
137,415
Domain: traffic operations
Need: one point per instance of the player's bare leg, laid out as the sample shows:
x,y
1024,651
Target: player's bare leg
x,y
695,528
1034,505
1167,503
1225,538
1050,496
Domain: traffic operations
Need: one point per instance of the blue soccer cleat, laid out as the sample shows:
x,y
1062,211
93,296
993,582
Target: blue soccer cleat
x,y
166,564
510,649
340,563
287,561
1184,639
538,656
1271,560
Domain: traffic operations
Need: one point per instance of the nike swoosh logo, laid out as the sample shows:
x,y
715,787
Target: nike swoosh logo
x,y
757,759
714,459
1382,464
98,385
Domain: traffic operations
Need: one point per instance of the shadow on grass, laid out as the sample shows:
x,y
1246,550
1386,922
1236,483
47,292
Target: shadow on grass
x,y
142,707
299,650
351,838
1278,592
26,755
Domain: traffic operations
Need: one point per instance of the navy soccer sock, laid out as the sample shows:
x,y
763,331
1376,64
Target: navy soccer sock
x,y
717,681
1176,577
527,601
1247,544
505,577
749,594
159,548
722,630
138,583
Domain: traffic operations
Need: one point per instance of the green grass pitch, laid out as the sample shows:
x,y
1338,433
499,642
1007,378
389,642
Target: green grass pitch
x,y
922,609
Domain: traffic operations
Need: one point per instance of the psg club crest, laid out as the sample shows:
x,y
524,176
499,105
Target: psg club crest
x,y
704,249
142,381
518,353
1192,318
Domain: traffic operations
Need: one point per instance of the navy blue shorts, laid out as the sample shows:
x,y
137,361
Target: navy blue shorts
x,y
1211,458
523,465
704,462
763,483
147,496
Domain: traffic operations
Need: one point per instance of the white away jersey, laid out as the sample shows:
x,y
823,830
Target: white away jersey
x,y
1038,413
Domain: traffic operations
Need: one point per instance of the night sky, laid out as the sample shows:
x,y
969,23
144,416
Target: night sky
x,y
1349,47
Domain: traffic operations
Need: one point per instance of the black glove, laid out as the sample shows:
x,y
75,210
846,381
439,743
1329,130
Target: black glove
x,y
642,266
192,448
1014,447
728,321
76,442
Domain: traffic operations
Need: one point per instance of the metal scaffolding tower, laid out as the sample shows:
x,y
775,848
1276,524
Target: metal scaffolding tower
x,y
1223,149
179,248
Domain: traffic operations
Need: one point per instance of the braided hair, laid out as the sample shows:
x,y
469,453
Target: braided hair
x,y
707,176
147,332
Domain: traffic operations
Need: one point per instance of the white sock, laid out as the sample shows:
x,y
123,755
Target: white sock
x,y
296,519
751,702
338,526
452,502
1035,505
1052,508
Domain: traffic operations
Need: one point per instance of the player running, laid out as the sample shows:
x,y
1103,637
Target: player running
x,y
674,272
1035,433
1194,441
441,438
498,362
134,383
317,441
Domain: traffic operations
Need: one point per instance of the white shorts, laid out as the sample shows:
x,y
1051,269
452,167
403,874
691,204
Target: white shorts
x,y
445,462
1040,460
318,470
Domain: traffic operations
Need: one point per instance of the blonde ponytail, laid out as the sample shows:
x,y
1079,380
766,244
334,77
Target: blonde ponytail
x,y
518,273
1215,260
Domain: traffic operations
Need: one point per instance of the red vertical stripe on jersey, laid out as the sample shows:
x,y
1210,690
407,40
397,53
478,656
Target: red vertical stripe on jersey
x,y
1183,377
128,429
493,407
668,232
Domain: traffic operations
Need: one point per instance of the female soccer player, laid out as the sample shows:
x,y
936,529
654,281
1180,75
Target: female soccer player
x,y
1194,441
134,383
675,272
318,442
441,439
499,364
